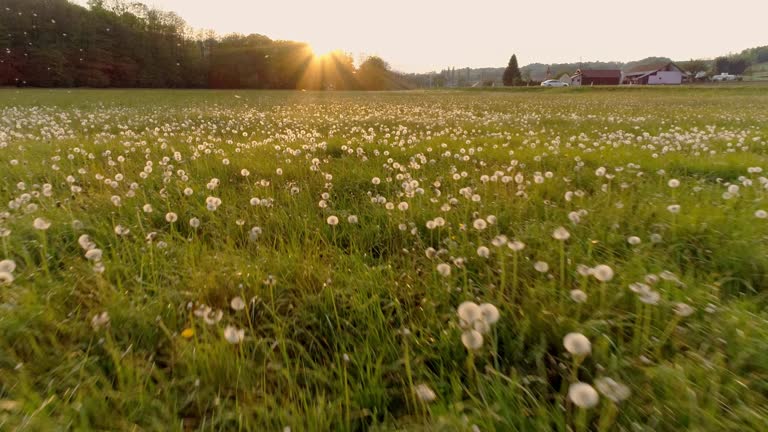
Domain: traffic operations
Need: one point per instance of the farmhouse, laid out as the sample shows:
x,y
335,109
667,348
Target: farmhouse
x,y
596,77
654,74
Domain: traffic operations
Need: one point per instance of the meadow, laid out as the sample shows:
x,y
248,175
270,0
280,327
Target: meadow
x,y
572,259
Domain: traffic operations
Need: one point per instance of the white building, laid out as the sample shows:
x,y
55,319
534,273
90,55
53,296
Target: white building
x,y
655,74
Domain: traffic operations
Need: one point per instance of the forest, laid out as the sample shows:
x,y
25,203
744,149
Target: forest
x,y
115,43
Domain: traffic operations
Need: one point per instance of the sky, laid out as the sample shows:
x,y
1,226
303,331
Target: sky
x,y
427,35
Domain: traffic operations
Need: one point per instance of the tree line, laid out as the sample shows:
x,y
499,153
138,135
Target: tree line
x,y
117,43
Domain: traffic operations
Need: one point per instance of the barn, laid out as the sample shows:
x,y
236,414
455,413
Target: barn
x,y
655,74
596,77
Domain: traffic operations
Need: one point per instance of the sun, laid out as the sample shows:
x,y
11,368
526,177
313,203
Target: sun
x,y
321,49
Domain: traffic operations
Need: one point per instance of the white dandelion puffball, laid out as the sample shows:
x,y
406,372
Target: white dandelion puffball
x,y
761,214
673,183
541,266
516,245
41,224
234,335
499,240
424,393
481,326
674,208
480,224
93,255
634,240
237,303
683,310
85,242
122,231
472,340
332,220
194,222
650,297
611,389
574,217
444,269
147,208
352,219
583,395
577,344
100,320
6,278
468,312
561,234
483,252
489,313
171,217
578,296
7,266
603,273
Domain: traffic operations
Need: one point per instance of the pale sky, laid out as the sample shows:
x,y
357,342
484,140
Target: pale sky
x,y
425,35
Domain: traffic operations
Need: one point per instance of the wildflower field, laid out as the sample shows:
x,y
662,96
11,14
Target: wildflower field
x,y
577,259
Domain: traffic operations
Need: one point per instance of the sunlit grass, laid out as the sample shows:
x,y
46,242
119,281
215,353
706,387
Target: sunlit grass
x,y
351,251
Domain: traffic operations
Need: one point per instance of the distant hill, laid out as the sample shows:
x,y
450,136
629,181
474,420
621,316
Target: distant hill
x,y
756,59
534,72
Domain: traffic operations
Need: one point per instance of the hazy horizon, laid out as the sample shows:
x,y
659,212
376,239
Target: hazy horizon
x,y
429,36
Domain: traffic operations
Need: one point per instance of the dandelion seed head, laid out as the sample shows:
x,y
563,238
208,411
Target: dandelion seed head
x,y
472,339
683,310
100,321
234,335
41,224
7,266
611,389
489,313
93,254
561,234
583,395
577,344
480,224
122,231
650,297
468,312
424,393
237,303
603,273
6,278
578,296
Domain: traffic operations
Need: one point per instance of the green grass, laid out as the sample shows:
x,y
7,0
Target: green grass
x,y
327,307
